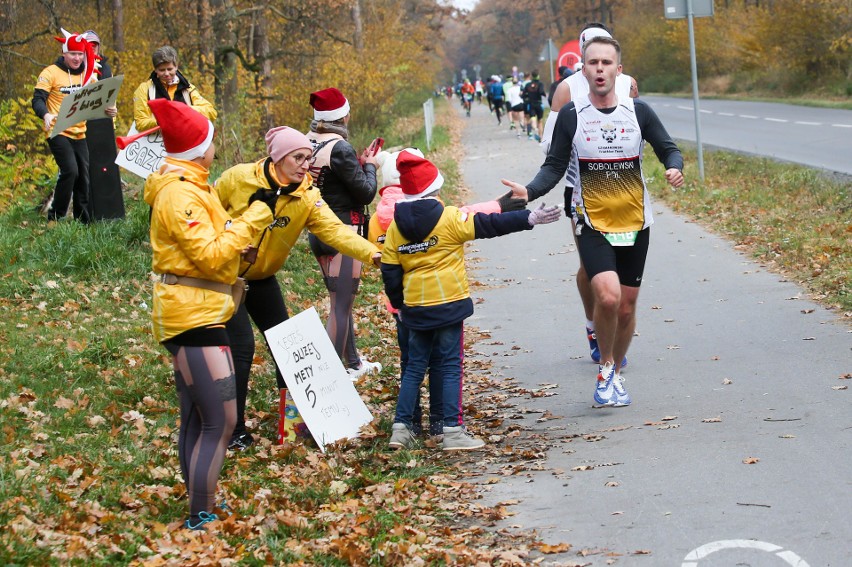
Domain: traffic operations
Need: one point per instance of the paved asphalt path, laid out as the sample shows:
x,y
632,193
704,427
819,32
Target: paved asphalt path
x,y
707,315
816,137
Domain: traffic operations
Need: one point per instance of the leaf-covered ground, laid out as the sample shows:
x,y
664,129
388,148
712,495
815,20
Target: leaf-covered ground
x,y
89,416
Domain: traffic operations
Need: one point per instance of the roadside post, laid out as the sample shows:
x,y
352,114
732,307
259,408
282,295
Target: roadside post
x,y
689,9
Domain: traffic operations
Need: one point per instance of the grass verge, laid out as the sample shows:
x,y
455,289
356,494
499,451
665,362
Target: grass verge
x,y
796,220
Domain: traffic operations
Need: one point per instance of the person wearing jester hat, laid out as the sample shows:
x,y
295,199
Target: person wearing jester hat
x,y
75,68
196,248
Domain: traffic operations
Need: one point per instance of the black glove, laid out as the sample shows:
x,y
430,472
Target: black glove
x,y
267,196
507,203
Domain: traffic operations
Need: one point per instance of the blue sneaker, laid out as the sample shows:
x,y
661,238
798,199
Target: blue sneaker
x,y
594,351
605,391
622,398
203,518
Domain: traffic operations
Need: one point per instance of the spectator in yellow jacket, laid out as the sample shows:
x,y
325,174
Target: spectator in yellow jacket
x,y
166,81
196,254
284,177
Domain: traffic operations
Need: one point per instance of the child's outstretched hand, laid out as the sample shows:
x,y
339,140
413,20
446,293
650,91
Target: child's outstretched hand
x,y
545,215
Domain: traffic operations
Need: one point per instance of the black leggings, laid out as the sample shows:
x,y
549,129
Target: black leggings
x,y
265,305
204,377
342,276
72,157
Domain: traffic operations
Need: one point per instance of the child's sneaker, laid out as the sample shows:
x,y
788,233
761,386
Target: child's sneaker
x,y
401,437
459,439
605,390
622,398
197,524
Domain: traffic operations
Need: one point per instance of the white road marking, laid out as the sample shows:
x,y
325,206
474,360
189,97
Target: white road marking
x,y
706,111
803,123
727,114
776,120
748,116
842,125
692,558
684,107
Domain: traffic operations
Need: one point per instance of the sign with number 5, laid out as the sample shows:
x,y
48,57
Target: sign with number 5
x,y
316,379
88,103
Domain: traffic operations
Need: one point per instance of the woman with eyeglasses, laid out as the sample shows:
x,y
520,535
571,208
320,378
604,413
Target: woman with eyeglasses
x,y
284,177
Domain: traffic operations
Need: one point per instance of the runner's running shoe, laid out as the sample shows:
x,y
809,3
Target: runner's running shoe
x,y
605,390
594,351
622,398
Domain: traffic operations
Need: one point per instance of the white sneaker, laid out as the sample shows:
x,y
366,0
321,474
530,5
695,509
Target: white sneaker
x,y
621,398
366,367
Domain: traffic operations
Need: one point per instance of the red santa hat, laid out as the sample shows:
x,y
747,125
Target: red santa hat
x,y
186,132
418,176
329,104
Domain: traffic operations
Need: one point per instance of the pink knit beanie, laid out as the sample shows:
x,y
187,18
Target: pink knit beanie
x,y
283,140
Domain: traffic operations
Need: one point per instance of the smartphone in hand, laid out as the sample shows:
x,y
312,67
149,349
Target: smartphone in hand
x,y
377,145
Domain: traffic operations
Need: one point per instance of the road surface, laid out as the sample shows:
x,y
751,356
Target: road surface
x,y
731,365
816,137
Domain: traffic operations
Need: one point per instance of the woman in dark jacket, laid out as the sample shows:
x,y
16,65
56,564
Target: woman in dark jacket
x,y
347,183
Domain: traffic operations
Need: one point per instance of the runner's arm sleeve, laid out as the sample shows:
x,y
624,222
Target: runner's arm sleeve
x,y
559,155
655,134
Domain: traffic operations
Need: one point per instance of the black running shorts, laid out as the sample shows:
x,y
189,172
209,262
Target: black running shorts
x,y
598,255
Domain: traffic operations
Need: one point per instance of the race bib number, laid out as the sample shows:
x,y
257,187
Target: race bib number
x,y
622,238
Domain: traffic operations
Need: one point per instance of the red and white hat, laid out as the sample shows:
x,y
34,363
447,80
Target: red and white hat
x,y
78,42
329,104
186,132
418,176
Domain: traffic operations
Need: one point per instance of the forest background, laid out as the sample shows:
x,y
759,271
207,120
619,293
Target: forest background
x,y
260,60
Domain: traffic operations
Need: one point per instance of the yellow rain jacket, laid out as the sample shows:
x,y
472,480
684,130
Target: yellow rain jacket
x,y
143,116
192,235
303,208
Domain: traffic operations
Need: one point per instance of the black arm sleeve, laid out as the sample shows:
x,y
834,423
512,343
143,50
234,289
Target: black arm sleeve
x,y
655,134
360,181
490,225
40,102
392,278
561,145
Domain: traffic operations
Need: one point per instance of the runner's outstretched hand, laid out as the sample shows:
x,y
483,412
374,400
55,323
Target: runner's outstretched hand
x,y
518,191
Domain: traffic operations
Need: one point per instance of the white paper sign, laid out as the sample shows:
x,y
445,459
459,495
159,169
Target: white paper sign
x,y
87,103
142,156
320,386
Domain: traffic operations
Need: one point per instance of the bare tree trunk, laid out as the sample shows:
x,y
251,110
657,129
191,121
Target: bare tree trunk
x,y
225,60
358,38
555,25
117,35
260,46
205,36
